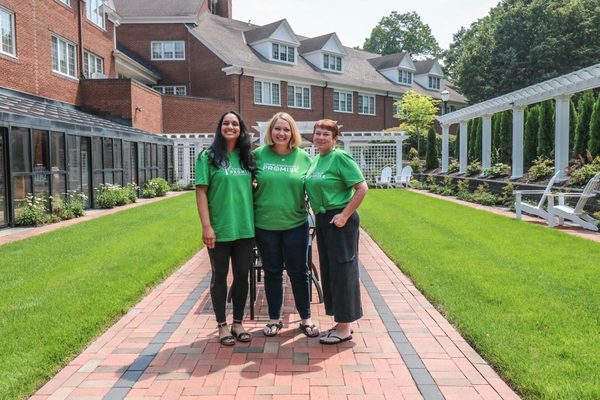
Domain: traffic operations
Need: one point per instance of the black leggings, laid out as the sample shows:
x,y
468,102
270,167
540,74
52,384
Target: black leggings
x,y
241,252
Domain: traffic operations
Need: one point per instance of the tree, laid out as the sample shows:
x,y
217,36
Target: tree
x,y
506,137
545,144
594,142
478,139
402,32
496,121
416,113
572,125
471,140
431,155
582,126
532,124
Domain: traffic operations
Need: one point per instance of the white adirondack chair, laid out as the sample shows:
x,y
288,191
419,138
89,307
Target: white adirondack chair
x,y
385,180
403,180
538,209
576,214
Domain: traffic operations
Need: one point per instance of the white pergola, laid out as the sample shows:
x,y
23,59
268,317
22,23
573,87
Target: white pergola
x,y
560,89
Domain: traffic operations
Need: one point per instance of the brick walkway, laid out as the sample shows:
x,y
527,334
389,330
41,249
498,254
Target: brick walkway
x,y
166,347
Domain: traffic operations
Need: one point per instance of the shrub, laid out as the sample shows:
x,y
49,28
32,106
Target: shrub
x,y
462,190
190,186
474,168
507,197
415,184
496,170
483,196
454,166
582,175
33,211
148,192
107,196
75,203
131,191
447,187
542,168
413,153
177,187
431,155
155,187
416,165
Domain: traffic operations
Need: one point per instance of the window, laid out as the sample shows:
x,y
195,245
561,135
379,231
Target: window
x,y
92,64
168,50
67,2
7,30
342,101
174,90
395,108
366,104
283,53
404,77
94,12
298,96
434,83
332,63
266,93
191,164
63,57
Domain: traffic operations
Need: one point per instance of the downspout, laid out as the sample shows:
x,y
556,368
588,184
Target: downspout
x,y
324,87
240,93
81,51
387,94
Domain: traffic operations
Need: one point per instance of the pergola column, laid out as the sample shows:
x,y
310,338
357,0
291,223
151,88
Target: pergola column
x,y
486,142
445,130
517,141
561,139
463,147
399,156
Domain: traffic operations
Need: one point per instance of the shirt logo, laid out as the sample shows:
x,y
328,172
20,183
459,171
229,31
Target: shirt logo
x,y
291,169
235,171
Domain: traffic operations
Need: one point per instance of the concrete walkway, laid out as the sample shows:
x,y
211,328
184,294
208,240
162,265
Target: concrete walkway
x,y
166,347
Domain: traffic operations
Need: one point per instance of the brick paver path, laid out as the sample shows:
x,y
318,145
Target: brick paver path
x,y
166,347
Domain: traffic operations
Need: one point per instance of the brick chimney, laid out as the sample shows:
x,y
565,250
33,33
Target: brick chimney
x,y
223,8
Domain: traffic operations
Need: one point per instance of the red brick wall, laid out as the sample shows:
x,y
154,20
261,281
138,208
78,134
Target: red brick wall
x,y
206,77
150,118
35,22
192,115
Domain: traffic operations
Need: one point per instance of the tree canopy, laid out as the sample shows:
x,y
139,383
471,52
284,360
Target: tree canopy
x,y
416,113
402,32
523,42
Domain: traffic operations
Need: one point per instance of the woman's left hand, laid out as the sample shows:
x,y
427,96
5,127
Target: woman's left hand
x,y
339,220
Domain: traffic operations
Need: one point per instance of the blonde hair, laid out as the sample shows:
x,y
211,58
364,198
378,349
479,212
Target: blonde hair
x,y
295,140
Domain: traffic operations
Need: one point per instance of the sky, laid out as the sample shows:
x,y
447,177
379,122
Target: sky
x,y
353,20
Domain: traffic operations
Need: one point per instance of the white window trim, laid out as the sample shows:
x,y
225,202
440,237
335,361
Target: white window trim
x,y
271,102
335,56
301,87
345,93
368,96
162,88
287,47
435,79
89,56
162,51
101,23
65,2
67,43
12,36
409,75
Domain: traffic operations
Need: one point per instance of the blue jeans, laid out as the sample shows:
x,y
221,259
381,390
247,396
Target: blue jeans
x,y
289,248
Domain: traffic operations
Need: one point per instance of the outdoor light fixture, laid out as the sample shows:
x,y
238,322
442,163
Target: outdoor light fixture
x,y
445,96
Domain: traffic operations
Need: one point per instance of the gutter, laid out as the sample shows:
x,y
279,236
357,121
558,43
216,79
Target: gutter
x,y
81,50
240,92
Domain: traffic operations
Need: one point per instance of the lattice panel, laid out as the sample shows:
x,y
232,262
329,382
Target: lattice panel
x,y
373,157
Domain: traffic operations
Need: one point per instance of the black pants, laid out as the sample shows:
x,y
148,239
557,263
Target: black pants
x,y
241,253
338,259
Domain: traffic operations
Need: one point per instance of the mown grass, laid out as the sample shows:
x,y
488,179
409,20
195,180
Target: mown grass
x,y
60,290
526,297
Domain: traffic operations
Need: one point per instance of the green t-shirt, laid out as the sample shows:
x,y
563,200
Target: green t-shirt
x,y
330,179
279,197
229,197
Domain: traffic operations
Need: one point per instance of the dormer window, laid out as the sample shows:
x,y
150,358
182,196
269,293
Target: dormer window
x,y
404,77
281,52
434,83
332,63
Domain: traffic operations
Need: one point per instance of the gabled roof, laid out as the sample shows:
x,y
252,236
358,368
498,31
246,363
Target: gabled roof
x,y
158,8
388,61
318,43
140,60
425,66
266,31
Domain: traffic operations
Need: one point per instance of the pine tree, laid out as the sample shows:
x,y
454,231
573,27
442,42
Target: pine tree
x,y
594,142
545,142
457,146
478,138
506,137
431,155
572,125
470,141
496,121
582,126
532,123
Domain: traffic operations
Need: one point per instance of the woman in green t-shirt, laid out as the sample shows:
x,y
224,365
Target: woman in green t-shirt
x,y
336,187
281,220
224,200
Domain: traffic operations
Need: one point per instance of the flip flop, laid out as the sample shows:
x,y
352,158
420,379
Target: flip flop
x,y
314,331
336,340
227,340
278,326
243,337
330,330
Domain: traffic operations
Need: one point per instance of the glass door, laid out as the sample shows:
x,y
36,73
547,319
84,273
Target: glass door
x,y
86,167
3,179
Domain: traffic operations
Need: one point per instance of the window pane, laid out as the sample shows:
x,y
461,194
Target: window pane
x,y
275,50
117,154
96,153
306,97
291,56
290,94
59,182
40,151
54,54
20,148
21,186
275,99
57,151
179,50
338,63
74,163
257,92
108,153
156,51
6,30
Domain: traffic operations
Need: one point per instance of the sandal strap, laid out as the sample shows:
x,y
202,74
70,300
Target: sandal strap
x,y
221,324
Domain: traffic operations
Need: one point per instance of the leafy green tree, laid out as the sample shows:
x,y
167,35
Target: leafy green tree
x,y
594,142
506,137
545,143
402,32
582,126
496,121
416,113
431,155
530,135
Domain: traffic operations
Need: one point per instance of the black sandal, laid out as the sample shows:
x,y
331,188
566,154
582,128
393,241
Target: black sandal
x,y
278,326
241,336
313,332
225,340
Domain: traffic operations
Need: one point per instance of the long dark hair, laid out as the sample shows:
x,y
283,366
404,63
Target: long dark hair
x,y
217,152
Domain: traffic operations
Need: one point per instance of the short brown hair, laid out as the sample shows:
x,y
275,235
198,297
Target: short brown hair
x,y
295,140
328,124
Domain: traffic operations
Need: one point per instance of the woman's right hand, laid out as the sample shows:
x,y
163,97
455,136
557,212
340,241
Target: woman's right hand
x,y
208,237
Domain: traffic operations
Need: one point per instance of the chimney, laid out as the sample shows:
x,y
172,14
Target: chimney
x,y
223,8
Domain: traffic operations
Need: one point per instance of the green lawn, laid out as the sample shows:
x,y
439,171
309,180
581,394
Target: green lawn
x,y
60,290
526,297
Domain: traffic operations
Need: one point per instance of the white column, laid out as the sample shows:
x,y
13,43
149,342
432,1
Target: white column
x,y
486,142
561,138
517,141
463,147
445,129
398,156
